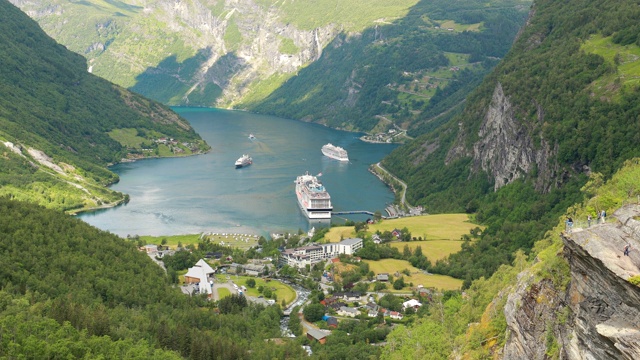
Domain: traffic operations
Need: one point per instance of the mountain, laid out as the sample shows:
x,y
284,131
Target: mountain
x,y
61,126
562,107
412,73
364,65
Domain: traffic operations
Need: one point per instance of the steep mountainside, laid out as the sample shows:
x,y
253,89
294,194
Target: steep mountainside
x,y
413,73
562,104
350,64
577,296
61,126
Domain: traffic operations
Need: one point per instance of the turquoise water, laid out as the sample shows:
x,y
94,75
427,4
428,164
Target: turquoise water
x,y
207,193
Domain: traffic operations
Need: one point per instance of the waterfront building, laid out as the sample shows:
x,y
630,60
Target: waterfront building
x,y
311,255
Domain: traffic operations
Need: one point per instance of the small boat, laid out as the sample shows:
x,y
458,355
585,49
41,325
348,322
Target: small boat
x,y
244,160
252,137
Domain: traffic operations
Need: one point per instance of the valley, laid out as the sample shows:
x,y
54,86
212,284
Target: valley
x,y
513,117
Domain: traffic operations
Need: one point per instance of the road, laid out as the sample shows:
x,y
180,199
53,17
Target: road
x,y
403,201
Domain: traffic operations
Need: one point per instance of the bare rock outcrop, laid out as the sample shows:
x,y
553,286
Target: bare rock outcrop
x,y
506,149
597,316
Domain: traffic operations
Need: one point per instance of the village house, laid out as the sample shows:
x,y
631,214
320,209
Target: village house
x,y
318,335
396,315
349,296
331,321
376,239
254,269
348,311
150,248
382,277
413,303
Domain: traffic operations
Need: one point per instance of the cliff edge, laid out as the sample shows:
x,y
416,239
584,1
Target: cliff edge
x,y
597,315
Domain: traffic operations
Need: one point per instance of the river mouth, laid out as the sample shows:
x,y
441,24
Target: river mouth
x,y
206,193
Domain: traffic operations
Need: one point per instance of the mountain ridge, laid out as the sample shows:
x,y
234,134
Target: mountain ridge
x,y
57,122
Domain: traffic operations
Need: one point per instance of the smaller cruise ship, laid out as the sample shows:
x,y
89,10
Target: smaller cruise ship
x,y
335,152
244,160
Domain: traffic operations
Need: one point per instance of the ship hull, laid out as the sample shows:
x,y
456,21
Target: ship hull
x,y
317,206
334,156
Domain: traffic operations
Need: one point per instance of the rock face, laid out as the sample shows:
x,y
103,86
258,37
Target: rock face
x,y
598,315
506,148
246,39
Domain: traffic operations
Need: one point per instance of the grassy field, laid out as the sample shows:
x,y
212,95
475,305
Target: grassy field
x,y
223,292
417,277
450,24
172,240
338,233
240,241
354,15
127,137
282,291
625,58
429,227
433,249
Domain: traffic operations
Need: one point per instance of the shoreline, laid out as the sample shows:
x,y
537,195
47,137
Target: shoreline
x,y
125,198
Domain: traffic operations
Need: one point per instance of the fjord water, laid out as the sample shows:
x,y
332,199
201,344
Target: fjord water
x,y
206,193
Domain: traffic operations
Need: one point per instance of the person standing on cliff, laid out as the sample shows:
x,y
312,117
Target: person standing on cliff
x,y
603,216
589,220
569,223
627,248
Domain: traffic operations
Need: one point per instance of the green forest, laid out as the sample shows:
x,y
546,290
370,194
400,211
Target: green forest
x,y
551,81
407,72
69,290
51,104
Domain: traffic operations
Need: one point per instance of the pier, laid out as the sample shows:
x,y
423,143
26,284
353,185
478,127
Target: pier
x,y
352,212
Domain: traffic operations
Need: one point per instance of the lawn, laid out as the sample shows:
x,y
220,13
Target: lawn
x,y
429,227
283,291
172,240
240,241
433,249
417,277
223,292
338,233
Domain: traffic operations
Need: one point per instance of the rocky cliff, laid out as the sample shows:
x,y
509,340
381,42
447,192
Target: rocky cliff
x,y
199,44
597,316
507,147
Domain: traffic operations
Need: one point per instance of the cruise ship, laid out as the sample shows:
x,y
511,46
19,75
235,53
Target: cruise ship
x,y
244,160
313,198
335,152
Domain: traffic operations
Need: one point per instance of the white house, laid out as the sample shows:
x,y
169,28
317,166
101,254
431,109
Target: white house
x,y
200,273
396,315
413,303
348,311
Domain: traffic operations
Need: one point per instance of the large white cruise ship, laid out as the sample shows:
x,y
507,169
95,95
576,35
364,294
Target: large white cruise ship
x,y
335,152
313,198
